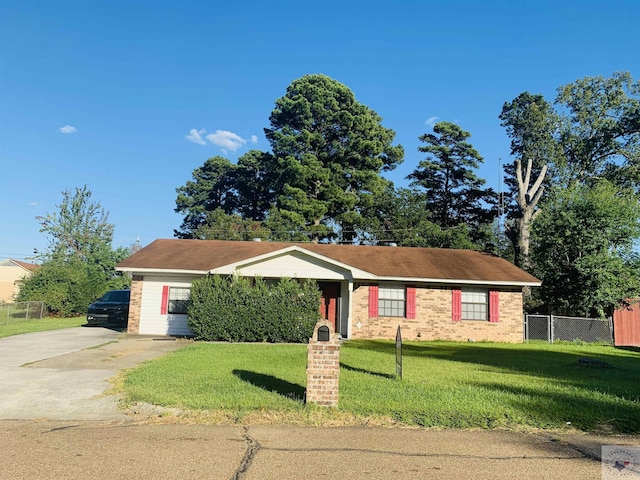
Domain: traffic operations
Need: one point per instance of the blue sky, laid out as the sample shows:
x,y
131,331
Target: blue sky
x,y
107,93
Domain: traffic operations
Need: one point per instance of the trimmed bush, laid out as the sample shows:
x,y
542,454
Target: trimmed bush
x,y
240,309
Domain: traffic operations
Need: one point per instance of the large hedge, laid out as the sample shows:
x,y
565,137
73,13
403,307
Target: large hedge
x,y
239,309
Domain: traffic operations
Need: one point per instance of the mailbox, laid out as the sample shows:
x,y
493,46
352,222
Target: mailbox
x,y
323,333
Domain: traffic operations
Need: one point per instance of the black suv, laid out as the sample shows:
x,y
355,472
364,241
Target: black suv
x,y
110,309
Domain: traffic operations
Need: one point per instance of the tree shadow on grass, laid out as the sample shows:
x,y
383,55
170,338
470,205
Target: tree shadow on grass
x,y
550,362
553,407
368,372
270,383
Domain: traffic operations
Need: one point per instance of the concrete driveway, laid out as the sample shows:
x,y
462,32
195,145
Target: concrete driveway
x,y
63,374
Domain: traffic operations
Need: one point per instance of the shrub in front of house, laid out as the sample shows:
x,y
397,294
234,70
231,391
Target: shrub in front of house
x,y
239,309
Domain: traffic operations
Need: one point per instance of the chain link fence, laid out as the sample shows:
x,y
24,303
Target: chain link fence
x,y
21,311
553,328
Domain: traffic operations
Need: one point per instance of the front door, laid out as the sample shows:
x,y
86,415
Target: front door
x,y
330,295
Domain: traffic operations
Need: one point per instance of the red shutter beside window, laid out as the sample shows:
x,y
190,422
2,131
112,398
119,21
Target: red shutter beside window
x,y
373,301
494,309
456,305
411,302
165,300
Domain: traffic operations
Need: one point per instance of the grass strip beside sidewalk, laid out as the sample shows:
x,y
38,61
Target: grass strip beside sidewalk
x,y
41,325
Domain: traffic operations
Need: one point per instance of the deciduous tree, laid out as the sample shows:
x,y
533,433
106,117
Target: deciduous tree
x,y
531,125
583,248
78,264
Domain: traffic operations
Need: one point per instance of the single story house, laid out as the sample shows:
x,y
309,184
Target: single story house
x,y
12,274
367,291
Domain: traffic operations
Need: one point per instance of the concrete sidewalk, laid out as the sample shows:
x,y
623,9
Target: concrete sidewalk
x,y
112,450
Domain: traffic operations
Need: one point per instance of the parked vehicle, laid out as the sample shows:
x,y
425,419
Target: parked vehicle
x,y
112,309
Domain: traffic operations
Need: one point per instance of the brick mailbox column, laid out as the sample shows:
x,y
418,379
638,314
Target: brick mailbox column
x,y
323,366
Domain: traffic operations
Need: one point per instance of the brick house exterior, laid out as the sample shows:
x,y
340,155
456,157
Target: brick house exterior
x,y
433,320
367,291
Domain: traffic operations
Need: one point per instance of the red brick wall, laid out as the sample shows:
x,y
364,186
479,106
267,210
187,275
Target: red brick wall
x,y
433,319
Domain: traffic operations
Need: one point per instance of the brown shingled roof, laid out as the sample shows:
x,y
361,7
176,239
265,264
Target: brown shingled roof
x,y
400,262
27,266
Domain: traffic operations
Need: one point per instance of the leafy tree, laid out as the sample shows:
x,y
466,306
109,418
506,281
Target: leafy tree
x,y
247,189
219,225
330,150
454,194
531,124
210,189
402,217
594,133
284,226
600,130
256,182
583,249
78,264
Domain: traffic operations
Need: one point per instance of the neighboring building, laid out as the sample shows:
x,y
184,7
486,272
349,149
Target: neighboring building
x,y
367,291
12,273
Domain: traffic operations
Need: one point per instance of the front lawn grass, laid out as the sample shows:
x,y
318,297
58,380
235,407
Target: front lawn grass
x,y
41,325
445,384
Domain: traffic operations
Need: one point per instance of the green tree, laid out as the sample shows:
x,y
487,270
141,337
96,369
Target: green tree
x,y
331,151
78,264
402,217
454,194
218,225
211,188
247,189
531,125
256,183
583,249
600,130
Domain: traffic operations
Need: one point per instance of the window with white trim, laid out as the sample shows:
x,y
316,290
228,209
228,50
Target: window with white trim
x,y
179,300
475,303
391,300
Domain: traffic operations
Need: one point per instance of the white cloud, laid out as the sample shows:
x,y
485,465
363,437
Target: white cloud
x,y
226,140
195,136
431,121
68,129
33,204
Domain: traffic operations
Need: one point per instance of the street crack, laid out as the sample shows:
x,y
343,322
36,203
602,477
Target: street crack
x,y
253,447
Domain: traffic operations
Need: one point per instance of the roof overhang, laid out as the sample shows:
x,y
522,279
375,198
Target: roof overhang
x,y
458,281
357,274
159,271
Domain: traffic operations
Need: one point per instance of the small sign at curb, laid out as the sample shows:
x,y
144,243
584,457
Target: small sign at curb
x,y
399,354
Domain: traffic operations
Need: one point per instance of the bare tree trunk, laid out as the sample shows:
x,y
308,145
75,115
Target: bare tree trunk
x,y
527,201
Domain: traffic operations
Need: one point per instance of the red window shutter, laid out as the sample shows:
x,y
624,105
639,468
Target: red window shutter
x,y
494,309
411,302
165,300
373,301
456,305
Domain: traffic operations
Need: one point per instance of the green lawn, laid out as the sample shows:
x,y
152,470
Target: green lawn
x,y
27,326
455,385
